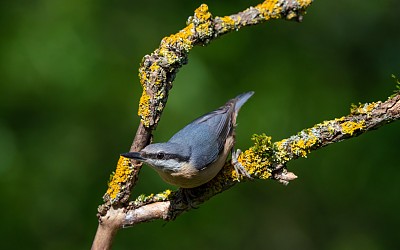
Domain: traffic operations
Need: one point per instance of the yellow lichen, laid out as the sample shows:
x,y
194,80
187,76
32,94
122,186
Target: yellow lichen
x,y
291,15
163,196
329,125
144,108
227,23
180,40
202,13
368,107
281,154
257,158
238,19
203,22
363,108
340,119
170,56
170,50
269,9
254,164
296,146
204,29
143,199
304,145
120,177
272,9
304,3
142,76
154,67
159,95
187,32
350,127
227,20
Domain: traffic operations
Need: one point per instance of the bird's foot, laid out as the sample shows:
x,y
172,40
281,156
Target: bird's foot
x,y
240,170
189,197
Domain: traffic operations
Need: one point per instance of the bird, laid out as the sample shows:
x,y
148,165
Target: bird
x,y
195,154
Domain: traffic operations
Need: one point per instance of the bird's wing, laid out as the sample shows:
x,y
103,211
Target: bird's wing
x,y
220,122
206,136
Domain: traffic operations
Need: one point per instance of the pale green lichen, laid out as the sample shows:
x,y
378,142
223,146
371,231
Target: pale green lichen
x,y
143,199
281,151
303,146
331,126
142,77
365,108
297,146
165,195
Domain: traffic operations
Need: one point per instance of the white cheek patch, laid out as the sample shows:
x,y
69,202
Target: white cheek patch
x,y
169,165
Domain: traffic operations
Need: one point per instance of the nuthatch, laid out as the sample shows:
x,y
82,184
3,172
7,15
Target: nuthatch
x,y
195,154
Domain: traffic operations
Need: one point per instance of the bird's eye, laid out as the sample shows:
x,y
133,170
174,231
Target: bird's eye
x,y
160,156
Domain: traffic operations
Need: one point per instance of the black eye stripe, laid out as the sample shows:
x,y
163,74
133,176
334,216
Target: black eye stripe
x,y
166,156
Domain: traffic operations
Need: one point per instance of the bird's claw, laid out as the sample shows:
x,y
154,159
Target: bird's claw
x,y
240,170
189,197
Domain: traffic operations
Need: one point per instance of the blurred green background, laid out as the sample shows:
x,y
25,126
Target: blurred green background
x,y
68,101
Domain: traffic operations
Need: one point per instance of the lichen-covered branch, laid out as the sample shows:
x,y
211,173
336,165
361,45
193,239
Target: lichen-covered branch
x,y
264,160
157,72
267,159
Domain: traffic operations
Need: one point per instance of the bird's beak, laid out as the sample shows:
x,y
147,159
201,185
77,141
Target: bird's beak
x,y
133,155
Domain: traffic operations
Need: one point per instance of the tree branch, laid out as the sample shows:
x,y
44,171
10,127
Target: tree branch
x,y
264,160
158,70
268,160
156,73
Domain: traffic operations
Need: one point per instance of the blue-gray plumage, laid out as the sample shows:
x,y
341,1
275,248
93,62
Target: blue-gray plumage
x,y
196,153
